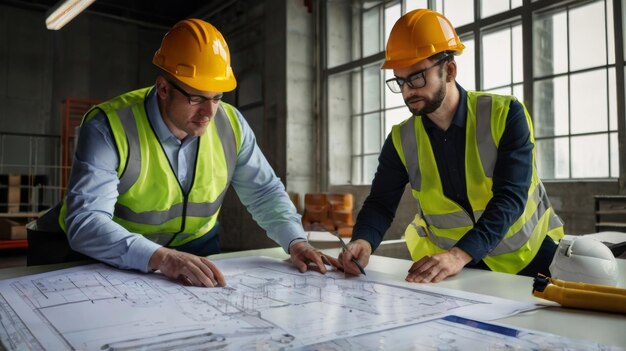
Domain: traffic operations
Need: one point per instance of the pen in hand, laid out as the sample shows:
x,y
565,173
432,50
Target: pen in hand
x,y
354,260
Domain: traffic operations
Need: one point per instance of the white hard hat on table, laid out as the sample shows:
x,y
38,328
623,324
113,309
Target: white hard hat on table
x,y
584,260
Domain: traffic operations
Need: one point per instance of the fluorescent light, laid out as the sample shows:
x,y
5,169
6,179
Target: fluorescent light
x,y
64,11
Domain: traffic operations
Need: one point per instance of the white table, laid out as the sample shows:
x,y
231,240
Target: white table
x,y
606,328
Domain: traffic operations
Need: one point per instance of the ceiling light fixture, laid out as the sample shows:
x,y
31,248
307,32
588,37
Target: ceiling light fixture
x,y
64,11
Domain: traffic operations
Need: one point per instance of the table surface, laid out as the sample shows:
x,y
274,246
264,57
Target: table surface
x,y
605,328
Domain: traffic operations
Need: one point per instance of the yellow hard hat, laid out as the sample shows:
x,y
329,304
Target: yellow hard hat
x,y
195,53
418,35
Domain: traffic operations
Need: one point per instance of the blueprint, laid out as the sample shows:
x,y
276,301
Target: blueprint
x,y
457,333
266,305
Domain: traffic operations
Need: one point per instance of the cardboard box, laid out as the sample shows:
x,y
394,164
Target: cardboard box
x,y
12,230
13,201
22,193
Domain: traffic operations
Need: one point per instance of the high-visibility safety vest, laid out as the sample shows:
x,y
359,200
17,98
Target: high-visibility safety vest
x,y
441,222
151,201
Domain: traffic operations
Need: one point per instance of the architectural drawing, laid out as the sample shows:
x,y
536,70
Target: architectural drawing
x,y
456,333
267,304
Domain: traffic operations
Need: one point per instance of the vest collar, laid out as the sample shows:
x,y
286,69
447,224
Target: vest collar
x,y
460,116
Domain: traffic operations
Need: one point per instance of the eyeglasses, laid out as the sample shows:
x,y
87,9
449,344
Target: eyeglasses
x,y
195,99
414,81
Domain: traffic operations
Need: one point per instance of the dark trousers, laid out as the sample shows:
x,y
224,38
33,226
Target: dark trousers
x,y
539,264
208,244
47,243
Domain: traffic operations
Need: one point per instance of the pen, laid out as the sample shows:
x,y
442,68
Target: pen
x,y
345,248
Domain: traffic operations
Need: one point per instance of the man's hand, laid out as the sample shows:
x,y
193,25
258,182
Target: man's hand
x,y
359,249
186,268
433,269
302,253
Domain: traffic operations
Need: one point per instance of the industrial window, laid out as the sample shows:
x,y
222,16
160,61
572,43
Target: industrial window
x,y
575,98
501,63
564,71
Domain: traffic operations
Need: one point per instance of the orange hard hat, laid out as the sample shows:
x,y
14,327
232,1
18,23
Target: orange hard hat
x,y
195,53
418,35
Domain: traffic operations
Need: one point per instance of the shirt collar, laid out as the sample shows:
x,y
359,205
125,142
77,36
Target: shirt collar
x,y
156,119
460,116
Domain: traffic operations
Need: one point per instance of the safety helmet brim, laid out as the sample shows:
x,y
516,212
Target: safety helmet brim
x,y
393,64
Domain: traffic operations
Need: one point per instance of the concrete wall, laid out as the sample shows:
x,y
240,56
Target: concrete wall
x,y
574,203
89,58
26,72
301,123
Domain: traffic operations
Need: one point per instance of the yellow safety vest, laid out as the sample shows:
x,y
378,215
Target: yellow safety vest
x,y
441,222
151,201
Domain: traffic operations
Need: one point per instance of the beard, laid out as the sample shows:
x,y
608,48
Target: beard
x,y
431,104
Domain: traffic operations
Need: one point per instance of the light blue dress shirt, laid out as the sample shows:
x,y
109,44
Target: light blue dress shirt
x,y
92,191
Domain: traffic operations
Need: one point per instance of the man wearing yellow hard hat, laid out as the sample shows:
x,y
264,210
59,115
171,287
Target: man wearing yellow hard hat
x,y
152,167
469,158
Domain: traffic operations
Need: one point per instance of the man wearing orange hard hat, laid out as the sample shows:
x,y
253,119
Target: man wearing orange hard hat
x,y
469,158
152,167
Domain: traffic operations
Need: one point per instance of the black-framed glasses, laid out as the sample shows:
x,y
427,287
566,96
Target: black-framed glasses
x,y
415,80
195,99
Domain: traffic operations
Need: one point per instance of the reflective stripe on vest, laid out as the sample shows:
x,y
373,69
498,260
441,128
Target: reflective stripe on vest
x,y
133,168
512,243
409,145
131,173
486,146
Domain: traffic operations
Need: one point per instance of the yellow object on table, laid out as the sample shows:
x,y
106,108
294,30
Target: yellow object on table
x,y
581,295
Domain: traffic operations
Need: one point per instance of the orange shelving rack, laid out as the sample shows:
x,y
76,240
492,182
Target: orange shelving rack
x,y
73,111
